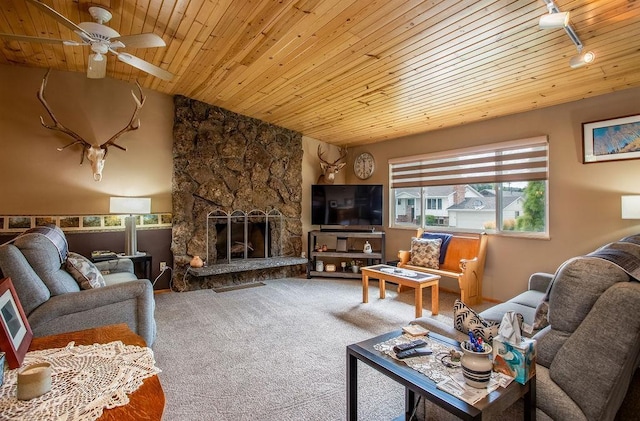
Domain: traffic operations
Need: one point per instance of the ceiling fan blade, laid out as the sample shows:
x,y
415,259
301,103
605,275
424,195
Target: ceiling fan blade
x,y
27,38
62,19
145,66
146,40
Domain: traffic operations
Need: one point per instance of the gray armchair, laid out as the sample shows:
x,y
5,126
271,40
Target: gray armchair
x,y
53,300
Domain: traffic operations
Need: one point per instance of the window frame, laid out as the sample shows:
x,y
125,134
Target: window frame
x,y
422,168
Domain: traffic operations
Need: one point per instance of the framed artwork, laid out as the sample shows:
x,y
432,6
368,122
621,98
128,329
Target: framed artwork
x,y
611,140
15,332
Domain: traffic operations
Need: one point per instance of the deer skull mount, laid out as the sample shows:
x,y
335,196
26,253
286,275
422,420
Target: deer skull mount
x,y
330,169
96,154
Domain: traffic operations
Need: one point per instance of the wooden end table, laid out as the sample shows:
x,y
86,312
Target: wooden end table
x,y
146,403
415,382
417,280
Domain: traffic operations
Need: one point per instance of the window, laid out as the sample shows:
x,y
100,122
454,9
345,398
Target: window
x,y
434,203
500,187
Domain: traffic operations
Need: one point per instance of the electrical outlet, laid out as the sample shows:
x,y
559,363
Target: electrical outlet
x,y
163,266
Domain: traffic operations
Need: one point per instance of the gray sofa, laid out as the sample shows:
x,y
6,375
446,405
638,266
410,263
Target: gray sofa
x,y
589,353
53,300
525,303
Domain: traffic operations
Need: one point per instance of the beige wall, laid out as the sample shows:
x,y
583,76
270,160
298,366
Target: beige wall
x,y
584,199
39,180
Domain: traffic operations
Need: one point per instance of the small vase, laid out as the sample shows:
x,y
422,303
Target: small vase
x,y
476,366
355,269
196,262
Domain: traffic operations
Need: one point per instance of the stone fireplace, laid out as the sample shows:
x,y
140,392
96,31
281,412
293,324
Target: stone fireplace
x,y
228,164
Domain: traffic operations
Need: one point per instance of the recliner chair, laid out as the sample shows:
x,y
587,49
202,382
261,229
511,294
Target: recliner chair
x,y
52,299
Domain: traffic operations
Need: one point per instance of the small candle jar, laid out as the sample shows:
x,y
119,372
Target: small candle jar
x,y
34,380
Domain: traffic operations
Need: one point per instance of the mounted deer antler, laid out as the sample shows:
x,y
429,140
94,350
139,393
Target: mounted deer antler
x,y
330,169
96,154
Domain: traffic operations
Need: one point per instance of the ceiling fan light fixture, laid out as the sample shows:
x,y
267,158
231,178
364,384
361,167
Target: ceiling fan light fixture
x,y
97,67
582,60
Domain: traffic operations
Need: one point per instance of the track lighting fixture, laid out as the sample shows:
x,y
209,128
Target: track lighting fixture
x,y
558,19
582,59
554,20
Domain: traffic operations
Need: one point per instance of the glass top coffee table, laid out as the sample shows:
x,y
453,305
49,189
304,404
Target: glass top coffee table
x,y
404,277
416,382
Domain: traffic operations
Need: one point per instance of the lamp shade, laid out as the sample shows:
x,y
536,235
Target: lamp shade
x,y
630,207
130,205
97,67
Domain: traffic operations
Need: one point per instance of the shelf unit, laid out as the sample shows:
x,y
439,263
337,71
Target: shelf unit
x,y
378,255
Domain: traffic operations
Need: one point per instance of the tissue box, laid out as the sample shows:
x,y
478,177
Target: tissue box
x,y
517,361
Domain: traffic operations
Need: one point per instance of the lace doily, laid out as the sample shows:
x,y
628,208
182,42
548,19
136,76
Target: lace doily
x,y
85,380
429,365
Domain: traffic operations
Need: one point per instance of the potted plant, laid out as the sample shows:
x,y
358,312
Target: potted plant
x,y
355,266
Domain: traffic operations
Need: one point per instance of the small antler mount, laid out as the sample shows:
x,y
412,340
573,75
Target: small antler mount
x,y
330,169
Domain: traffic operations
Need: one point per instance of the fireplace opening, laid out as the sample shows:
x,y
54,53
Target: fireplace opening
x,y
253,243
239,235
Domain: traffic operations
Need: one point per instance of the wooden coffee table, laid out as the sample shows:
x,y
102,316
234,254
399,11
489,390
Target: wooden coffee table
x,y
146,403
409,278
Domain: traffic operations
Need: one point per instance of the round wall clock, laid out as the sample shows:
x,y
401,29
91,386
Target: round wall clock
x,y
364,165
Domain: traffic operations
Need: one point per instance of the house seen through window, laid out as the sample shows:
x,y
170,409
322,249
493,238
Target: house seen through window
x,y
497,188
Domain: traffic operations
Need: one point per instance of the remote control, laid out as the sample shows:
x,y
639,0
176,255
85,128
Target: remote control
x,y
409,345
414,352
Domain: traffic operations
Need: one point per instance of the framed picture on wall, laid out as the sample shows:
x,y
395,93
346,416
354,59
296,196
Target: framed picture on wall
x,y
15,332
611,140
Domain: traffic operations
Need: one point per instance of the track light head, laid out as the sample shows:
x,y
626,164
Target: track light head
x,y
582,59
554,20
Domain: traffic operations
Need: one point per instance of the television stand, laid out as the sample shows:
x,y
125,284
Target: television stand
x,y
340,251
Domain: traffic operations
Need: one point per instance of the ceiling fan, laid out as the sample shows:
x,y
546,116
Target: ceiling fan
x,y
102,40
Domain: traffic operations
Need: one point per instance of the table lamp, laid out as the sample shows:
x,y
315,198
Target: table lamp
x,y
133,206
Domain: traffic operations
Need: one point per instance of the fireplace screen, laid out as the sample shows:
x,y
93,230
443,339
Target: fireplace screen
x,y
244,235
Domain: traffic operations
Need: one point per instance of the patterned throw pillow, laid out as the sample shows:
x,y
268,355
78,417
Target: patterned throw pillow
x,y
84,271
465,320
541,318
425,252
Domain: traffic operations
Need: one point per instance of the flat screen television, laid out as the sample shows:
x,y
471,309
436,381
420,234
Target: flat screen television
x,y
357,206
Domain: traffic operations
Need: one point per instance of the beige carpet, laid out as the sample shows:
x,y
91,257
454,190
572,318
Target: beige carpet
x,y
277,352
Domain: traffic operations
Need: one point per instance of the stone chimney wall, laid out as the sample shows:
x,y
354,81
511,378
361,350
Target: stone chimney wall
x,y
223,160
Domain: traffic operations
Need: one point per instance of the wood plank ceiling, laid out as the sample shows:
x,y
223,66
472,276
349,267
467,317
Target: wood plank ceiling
x,y
352,72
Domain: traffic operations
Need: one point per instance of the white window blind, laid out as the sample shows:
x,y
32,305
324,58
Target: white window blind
x,y
518,160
